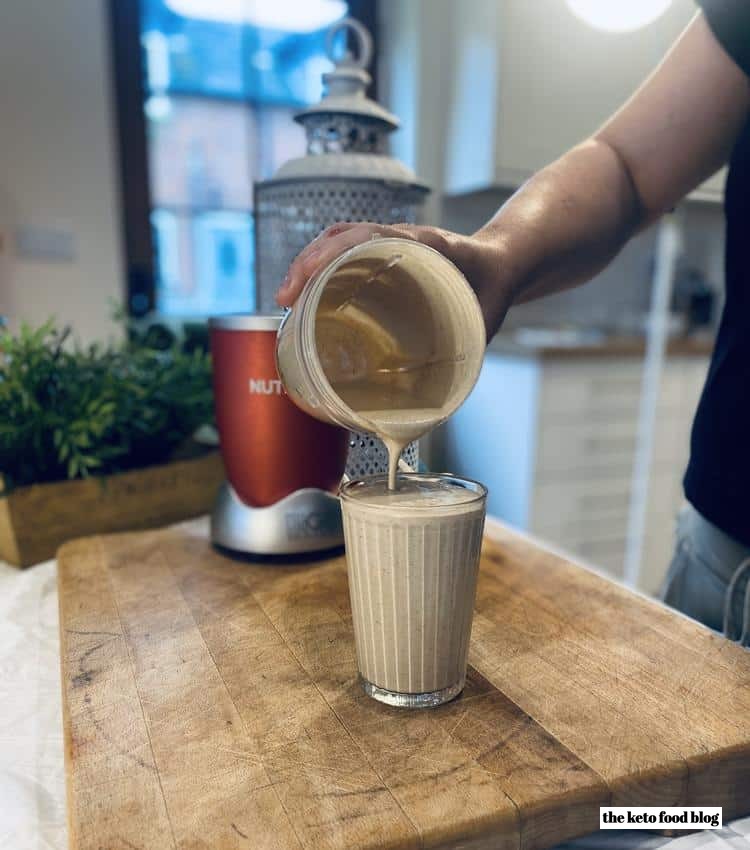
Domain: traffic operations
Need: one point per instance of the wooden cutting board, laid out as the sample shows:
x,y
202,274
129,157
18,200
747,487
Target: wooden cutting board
x,y
213,704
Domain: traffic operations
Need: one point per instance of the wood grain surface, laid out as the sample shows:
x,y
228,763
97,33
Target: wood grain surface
x,y
213,704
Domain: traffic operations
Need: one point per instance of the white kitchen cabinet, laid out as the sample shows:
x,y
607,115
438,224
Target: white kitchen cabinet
x,y
530,79
554,439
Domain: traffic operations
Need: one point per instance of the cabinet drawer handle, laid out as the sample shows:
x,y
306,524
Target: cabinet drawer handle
x,y
610,386
592,547
598,444
611,500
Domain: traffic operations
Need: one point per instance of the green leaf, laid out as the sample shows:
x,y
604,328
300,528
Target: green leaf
x,y
68,411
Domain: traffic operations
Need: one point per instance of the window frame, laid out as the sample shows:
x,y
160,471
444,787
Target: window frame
x,y
128,85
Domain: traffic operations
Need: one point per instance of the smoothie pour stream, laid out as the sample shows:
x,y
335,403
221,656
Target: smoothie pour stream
x,y
389,338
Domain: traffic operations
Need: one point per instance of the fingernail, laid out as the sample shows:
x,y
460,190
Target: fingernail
x,y
284,283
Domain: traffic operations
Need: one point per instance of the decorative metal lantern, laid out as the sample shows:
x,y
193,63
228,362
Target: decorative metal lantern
x,y
345,176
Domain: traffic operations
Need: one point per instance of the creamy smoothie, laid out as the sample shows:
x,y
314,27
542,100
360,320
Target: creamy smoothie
x,y
413,557
395,347
399,382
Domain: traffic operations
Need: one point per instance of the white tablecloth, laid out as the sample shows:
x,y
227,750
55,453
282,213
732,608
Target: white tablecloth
x,y
32,775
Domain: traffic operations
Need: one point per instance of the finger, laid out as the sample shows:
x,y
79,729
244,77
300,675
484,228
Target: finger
x,y
290,286
309,257
320,253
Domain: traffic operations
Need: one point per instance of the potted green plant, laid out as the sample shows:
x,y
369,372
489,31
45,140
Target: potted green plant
x,y
100,438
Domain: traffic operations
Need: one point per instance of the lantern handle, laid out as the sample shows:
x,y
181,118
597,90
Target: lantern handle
x,y
362,38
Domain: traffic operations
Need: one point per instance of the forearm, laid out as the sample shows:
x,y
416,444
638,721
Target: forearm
x,y
568,221
573,217
558,230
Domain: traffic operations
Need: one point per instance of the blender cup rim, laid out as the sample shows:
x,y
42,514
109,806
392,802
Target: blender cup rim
x,y
246,322
313,292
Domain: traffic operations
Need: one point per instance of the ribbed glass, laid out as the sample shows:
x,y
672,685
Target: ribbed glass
x,y
412,581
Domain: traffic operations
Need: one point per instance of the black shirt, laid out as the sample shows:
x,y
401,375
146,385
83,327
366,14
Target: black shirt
x,y
717,481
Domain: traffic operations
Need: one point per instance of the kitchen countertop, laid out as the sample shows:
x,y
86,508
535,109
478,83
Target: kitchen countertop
x,y
239,720
610,346
32,779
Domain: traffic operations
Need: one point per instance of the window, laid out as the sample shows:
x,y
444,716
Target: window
x,y
216,84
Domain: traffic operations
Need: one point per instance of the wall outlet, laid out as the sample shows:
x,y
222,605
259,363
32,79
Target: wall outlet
x,y
48,244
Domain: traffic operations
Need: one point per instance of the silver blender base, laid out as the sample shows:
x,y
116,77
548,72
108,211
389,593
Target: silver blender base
x,y
308,520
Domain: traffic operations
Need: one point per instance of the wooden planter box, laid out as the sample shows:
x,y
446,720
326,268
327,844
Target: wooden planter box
x,y
35,520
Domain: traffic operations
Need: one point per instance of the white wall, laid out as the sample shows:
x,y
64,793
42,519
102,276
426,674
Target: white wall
x,y
57,163
414,73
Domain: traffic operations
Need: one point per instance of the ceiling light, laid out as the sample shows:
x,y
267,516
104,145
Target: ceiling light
x,y
286,15
618,15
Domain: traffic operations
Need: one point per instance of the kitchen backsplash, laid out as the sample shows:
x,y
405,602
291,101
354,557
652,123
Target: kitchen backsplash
x,y
619,295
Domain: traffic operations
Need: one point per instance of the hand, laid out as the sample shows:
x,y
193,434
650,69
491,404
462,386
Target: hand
x,y
477,259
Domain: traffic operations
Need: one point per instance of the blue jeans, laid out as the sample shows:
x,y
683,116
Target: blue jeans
x,y
708,577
